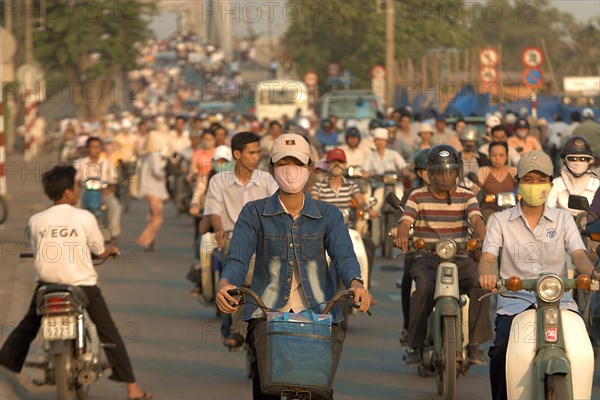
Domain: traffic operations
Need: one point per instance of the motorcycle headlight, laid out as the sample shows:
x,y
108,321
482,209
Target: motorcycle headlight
x,y
507,199
445,249
93,185
550,288
390,178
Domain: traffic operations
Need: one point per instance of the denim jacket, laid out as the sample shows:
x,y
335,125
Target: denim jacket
x,y
264,228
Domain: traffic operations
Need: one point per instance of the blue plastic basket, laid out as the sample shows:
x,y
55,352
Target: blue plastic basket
x,y
298,356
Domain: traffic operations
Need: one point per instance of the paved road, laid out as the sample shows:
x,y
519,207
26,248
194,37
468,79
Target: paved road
x,y
174,342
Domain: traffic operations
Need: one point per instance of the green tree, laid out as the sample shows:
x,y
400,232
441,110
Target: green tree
x,y
93,44
352,33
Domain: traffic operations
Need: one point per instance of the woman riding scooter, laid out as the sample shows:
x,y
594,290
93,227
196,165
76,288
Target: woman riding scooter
x,y
575,175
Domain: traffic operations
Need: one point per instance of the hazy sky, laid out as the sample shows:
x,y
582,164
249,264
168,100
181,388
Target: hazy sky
x,y
163,25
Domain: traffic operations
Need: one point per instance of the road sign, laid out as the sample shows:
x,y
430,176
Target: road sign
x,y
533,77
532,57
311,79
488,74
29,74
378,71
488,57
333,69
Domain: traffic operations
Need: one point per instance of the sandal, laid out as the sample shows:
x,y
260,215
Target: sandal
x,y
195,292
233,341
145,396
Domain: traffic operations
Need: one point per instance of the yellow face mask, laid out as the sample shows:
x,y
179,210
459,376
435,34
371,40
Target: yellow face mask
x,y
534,194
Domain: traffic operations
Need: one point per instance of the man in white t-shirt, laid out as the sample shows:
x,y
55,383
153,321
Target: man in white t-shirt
x,y
64,238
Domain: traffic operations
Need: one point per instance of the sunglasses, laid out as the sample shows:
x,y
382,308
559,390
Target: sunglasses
x,y
581,158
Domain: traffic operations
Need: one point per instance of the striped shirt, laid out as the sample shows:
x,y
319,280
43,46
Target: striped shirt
x,y
435,219
340,198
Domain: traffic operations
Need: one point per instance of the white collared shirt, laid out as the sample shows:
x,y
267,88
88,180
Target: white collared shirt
x,y
528,252
226,195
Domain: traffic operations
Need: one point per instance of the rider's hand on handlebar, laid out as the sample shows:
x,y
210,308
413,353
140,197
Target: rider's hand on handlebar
x,y
224,299
219,238
488,281
361,295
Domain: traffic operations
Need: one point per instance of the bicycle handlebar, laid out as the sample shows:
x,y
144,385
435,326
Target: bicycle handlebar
x,y
243,291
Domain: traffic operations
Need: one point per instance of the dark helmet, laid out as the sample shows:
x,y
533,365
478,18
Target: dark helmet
x,y
374,123
326,122
442,159
576,145
421,159
352,132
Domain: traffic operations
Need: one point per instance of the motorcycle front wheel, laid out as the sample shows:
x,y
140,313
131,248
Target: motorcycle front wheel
x,y
556,387
446,378
63,376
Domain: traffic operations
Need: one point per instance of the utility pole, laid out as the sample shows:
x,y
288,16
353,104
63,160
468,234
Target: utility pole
x,y
28,30
390,64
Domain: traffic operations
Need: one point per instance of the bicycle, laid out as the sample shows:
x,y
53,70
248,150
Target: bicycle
x,y
309,371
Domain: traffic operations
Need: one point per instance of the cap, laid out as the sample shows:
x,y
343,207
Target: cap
x,y
522,123
440,117
587,113
425,128
336,155
293,145
535,160
222,152
380,133
492,121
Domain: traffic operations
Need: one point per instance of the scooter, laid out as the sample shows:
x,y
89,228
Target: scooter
x,y
444,354
555,359
363,260
74,356
92,199
387,220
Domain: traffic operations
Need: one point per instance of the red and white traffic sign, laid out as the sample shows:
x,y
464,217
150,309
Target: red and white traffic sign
x,y
488,74
378,71
311,79
532,57
488,57
333,69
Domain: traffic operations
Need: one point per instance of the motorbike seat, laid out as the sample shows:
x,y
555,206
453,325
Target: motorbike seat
x,y
78,296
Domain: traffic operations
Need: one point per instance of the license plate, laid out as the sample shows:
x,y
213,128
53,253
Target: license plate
x,y
59,328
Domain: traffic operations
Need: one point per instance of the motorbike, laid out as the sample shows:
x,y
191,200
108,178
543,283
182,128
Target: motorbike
x,y
491,203
92,199
180,190
555,360
391,184
127,170
74,356
363,260
444,354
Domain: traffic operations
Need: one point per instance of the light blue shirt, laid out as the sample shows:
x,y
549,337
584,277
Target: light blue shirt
x,y
528,252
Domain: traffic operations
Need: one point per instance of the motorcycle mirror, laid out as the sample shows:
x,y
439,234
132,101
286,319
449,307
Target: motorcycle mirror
x,y
394,201
106,234
472,176
372,201
578,202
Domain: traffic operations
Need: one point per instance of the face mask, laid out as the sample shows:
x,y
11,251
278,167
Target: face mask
x,y
522,133
578,168
291,178
534,194
336,170
228,166
469,147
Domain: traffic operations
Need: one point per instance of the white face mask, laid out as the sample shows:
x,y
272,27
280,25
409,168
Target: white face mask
x,y
522,133
578,168
291,178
